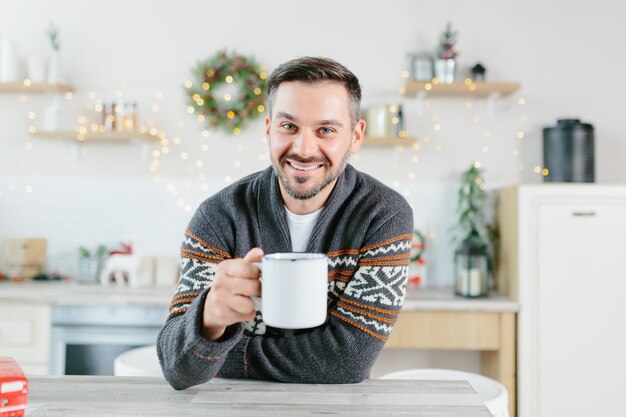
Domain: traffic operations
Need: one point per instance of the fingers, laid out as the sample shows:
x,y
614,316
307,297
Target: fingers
x,y
254,255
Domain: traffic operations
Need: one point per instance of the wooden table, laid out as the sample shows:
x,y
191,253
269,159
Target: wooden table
x,y
436,319
79,396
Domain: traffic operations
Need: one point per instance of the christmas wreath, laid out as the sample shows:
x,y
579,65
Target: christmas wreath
x,y
232,110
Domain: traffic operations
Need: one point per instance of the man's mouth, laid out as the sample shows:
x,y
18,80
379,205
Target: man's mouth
x,y
299,167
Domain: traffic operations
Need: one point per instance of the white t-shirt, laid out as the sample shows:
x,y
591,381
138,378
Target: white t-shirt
x,y
300,228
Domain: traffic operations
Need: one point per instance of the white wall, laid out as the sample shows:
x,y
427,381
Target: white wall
x,y
565,53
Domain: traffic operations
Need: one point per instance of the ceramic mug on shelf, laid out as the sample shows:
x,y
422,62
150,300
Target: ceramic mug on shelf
x,y
294,290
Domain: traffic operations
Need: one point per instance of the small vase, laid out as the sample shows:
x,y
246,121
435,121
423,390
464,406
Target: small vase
x,y
55,69
444,70
54,115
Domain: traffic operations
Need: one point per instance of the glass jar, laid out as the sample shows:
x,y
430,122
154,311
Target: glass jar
x,y
471,270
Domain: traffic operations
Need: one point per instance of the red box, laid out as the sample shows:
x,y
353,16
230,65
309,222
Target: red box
x,y
13,388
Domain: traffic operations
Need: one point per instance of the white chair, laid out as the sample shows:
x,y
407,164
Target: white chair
x,y
492,393
141,361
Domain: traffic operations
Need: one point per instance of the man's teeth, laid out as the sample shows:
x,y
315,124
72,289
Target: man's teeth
x,y
301,168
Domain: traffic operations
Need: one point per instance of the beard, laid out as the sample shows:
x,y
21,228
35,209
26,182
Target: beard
x,y
302,193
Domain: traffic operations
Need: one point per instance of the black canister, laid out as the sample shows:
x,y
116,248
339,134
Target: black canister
x,y
568,152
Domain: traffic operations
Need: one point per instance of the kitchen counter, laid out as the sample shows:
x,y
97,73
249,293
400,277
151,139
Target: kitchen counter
x,y
132,396
72,293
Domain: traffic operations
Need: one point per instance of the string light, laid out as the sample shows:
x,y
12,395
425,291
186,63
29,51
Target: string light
x,y
27,82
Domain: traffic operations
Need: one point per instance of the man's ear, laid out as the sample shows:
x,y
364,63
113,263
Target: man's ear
x,y
358,135
267,126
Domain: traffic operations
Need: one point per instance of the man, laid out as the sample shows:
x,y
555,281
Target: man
x,y
310,200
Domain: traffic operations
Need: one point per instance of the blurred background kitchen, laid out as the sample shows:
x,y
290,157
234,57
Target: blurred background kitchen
x,y
87,186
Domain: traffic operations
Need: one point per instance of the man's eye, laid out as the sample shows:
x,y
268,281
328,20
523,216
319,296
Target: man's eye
x,y
288,126
326,131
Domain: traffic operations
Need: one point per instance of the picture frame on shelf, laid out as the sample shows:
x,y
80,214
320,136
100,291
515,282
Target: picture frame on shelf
x,y
421,67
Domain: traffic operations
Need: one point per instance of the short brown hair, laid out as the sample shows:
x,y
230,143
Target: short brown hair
x,y
312,70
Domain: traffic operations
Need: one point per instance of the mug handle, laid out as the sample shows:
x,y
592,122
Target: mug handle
x,y
257,300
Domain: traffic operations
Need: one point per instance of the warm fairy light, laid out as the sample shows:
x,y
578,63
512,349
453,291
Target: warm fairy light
x,y
190,110
206,86
485,149
404,74
401,90
176,140
32,130
545,172
69,95
426,139
91,95
118,93
261,157
229,79
263,75
411,175
395,120
520,135
468,81
205,133
240,147
523,118
159,94
468,104
156,154
478,181
164,141
432,235
477,164
98,107
237,164
154,131
486,133
237,131
435,80
204,147
143,129
199,163
537,169
520,167
228,179
437,127
27,82
515,152
165,150
395,184
23,98
210,72
402,134
406,192
28,189
472,87
260,108
31,115
103,128
155,108
205,187
521,101
400,148
257,91
188,84
230,114
82,130
227,97
393,109
184,155
482,186
81,120
438,148
416,146
476,118
200,117
415,158
428,86
81,138
196,97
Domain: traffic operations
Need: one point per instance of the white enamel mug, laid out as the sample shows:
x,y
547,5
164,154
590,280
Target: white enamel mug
x,y
294,289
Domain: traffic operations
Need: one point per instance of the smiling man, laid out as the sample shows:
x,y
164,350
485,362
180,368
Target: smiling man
x,y
309,200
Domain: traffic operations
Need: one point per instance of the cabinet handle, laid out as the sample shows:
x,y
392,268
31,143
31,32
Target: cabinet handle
x,y
584,213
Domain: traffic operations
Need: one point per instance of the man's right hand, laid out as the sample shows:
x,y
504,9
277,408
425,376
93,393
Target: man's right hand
x,y
229,300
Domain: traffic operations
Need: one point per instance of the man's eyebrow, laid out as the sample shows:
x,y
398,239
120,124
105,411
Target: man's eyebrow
x,y
330,122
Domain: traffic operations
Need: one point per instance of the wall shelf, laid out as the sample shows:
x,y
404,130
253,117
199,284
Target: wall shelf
x,y
38,88
388,141
101,137
460,88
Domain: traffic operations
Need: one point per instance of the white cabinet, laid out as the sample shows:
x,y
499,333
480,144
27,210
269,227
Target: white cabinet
x,y
563,255
25,335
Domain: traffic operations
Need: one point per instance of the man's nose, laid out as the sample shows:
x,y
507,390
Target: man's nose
x,y
305,144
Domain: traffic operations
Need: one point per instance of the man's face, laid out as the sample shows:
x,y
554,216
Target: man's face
x,y
311,136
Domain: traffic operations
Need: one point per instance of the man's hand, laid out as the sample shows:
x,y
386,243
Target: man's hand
x,y
228,301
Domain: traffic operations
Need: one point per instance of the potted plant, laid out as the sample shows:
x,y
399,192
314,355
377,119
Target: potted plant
x,y
473,236
90,264
55,69
445,65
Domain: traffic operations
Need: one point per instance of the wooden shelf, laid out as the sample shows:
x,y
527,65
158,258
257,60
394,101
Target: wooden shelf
x,y
388,141
460,88
111,137
19,87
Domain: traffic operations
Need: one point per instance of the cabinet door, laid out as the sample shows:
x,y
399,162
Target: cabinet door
x,y
580,336
25,332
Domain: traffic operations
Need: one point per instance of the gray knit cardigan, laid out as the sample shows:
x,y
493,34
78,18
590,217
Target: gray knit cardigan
x,y
365,228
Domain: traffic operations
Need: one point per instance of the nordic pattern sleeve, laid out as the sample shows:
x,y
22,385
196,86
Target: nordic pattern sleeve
x,y
186,357
345,348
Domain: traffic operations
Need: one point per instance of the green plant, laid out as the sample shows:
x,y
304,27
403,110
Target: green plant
x,y
473,222
86,253
447,39
53,35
